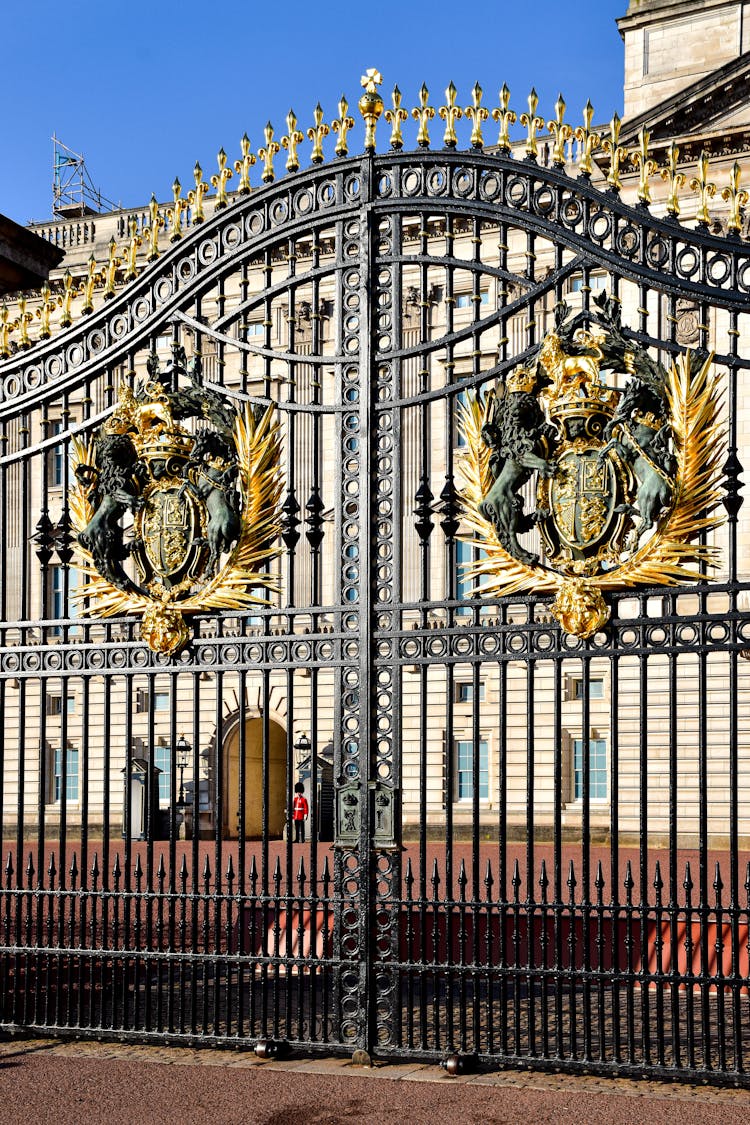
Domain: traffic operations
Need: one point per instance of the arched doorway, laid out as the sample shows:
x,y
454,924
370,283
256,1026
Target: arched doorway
x,y
276,767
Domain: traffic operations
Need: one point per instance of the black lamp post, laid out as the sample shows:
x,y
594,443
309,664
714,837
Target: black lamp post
x,y
183,748
302,747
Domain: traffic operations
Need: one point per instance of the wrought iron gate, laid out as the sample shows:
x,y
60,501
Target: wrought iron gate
x,y
525,845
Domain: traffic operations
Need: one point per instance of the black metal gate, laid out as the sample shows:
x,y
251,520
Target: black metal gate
x,y
537,847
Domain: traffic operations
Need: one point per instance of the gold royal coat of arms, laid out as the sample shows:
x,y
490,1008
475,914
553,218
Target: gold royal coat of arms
x,y
171,520
626,458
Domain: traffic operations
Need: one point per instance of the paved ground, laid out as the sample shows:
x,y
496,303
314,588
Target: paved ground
x,y
51,1082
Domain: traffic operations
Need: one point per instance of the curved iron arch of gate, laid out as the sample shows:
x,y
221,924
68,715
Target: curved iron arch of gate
x,y
472,754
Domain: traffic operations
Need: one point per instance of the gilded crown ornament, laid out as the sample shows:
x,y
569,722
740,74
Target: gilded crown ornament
x,y
204,506
627,461
371,105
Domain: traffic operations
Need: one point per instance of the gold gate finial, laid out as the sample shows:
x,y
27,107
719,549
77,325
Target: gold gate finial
x,y
506,117
44,312
242,167
341,126
6,327
395,118
267,153
155,225
736,197
675,179
132,251
220,180
110,271
533,124
174,214
646,167
476,113
616,153
88,285
423,113
24,320
704,189
66,300
316,133
195,197
371,105
291,140
450,114
588,140
561,131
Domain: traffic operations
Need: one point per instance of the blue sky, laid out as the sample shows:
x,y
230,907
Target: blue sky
x,y
142,88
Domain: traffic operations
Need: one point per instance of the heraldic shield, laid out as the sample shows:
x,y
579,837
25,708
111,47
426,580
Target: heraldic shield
x,y
626,457
170,518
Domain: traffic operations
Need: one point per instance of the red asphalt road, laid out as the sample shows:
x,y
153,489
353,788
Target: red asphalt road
x,y
45,1083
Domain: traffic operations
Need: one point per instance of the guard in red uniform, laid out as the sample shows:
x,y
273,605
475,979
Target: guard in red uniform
x,y
300,812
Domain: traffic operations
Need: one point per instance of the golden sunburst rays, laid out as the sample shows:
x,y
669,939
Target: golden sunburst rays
x,y
235,585
672,553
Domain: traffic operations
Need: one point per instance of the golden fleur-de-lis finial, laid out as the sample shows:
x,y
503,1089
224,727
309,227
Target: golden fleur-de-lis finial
x,y
156,222
646,167
132,252
588,140
561,131
220,180
341,126
44,312
242,167
533,124
88,285
66,300
450,114
195,197
293,138
174,214
110,270
316,133
6,327
371,105
616,153
267,153
395,118
675,180
423,113
704,189
24,319
737,198
476,113
506,117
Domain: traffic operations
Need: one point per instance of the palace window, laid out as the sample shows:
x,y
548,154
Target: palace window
x,y
597,769
56,458
163,762
468,300
596,689
464,691
71,774
465,770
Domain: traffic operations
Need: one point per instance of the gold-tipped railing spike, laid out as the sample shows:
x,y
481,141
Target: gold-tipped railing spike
x,y
220,180
341,126
317,132
66,300
476,113
371,105
395,118
243,165
156,222
737,198
506,117
6,327
561,131
293,138
533,124
646,167
196,196
110,271
674,178
88,285
267,153
616,153
450,113
44,312
24,320
174,214
131,253
588,140
704,189
423,113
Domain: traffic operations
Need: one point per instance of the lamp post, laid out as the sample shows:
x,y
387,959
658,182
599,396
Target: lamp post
x,y
302,747
183,748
